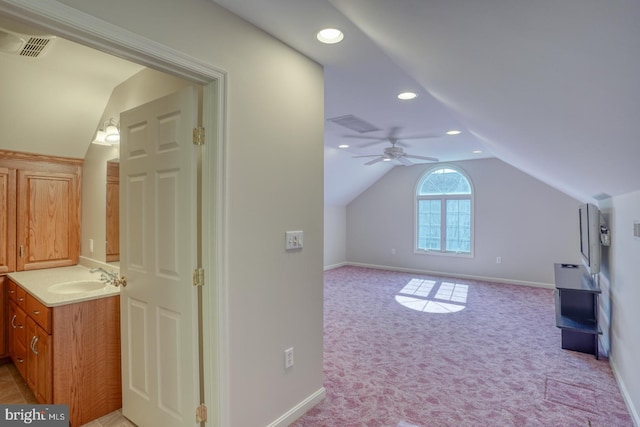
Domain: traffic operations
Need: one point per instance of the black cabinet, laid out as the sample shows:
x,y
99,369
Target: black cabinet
x,y
577,308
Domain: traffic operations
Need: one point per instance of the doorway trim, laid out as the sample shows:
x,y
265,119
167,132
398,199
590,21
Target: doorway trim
x,y
85,29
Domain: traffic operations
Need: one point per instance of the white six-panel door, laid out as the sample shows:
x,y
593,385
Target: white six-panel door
x,y
160,377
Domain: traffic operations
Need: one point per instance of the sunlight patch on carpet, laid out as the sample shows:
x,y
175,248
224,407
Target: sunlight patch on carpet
x,y
430,296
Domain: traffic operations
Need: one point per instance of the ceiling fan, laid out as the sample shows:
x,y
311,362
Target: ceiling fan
x,y
395,152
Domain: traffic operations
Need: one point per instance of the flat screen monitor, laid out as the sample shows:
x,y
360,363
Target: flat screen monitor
x,y
590,237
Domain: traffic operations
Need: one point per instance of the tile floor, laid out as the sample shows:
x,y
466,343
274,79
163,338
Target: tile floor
x,y
13,390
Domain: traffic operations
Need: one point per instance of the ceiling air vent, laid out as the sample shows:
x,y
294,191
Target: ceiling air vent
x,y
35,46
24,45
354,123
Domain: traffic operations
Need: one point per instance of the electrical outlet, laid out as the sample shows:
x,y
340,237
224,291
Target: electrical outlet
x,y
288,358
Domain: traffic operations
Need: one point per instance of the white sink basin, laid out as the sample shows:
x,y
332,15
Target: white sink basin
x,y
77,287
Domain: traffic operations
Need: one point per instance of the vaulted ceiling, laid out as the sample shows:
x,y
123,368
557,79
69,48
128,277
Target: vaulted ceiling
x,y
549,87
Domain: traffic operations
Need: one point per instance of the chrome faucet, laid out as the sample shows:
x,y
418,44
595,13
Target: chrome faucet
x,y
109,277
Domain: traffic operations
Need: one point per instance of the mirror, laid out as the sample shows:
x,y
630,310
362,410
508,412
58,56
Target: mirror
x,y
113,211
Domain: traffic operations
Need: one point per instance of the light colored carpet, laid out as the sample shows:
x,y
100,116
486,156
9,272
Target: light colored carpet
x,y
409,350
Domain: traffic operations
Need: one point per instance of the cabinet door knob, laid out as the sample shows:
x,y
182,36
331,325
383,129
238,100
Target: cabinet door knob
x,y
20,299
36,312
19,360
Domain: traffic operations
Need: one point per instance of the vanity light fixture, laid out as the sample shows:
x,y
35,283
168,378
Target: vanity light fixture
x,y
405,96
108,134
112,133
330,35
100,138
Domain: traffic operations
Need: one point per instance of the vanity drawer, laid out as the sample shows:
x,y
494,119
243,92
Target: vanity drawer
x,y
20,358
17,294
39,312
11,290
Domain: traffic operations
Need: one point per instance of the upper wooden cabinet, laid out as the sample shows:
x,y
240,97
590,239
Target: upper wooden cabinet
x,y
40,206
7,220
113,211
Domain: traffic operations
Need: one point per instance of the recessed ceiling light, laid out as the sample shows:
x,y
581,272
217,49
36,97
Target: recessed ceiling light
x,y
477,151
453,132
330,35
343,146
407,95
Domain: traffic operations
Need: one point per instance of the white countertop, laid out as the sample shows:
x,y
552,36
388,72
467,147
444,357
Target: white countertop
x,y
37,283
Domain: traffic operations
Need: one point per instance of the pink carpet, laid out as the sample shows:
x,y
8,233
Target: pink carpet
x,y
411,350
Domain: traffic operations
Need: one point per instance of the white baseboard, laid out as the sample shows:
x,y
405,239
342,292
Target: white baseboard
x,y
300,409
633,412
460,276
332,266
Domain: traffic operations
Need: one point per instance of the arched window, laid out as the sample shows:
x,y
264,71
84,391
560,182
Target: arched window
x,y
444,211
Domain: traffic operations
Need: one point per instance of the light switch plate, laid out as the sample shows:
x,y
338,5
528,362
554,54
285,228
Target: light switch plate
x,y
293,240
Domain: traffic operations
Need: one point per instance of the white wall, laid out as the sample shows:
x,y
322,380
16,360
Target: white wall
x,y
139,89
518,218
274,183
621,271
335,236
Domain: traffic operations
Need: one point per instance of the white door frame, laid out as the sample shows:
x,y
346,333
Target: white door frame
x,y
93,32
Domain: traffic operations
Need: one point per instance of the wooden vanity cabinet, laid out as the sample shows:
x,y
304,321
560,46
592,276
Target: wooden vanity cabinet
x,y
40,207
72,353
4,348
17,327
38,371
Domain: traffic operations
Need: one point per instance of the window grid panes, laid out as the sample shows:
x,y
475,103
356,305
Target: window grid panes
x,y
444,212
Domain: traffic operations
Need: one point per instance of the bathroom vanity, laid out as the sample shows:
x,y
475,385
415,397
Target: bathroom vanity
x,y
64,338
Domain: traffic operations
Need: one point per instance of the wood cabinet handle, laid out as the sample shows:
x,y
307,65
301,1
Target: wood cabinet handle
x,y
13,319
21,251
36,312
11,291
20,299
20,360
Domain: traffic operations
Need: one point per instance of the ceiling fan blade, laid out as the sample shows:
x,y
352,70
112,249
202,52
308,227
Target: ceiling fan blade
x,y
431,159
372,155
374,161
404,161
369,144
378,138
433,135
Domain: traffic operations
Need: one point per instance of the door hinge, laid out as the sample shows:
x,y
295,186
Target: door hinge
x,y
198,277
198,135
201,413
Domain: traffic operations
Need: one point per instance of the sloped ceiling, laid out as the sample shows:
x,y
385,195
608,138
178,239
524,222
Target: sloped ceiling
x,y
549,87
52,104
